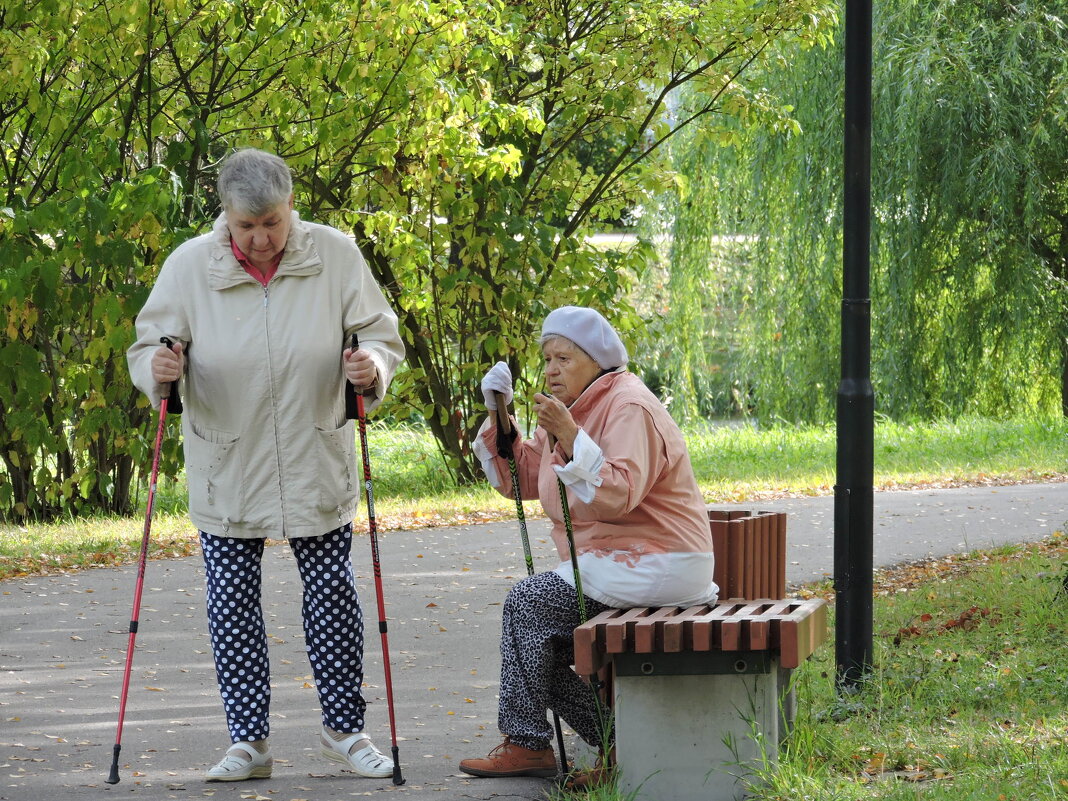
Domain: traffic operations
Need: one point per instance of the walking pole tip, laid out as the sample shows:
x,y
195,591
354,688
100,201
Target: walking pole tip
x,y
113,777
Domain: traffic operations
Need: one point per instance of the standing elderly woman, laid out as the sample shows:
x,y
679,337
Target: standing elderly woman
x,y
640,528
260,310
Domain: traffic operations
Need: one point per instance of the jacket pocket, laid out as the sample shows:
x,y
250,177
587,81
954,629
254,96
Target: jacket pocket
x,y
337,459
215,476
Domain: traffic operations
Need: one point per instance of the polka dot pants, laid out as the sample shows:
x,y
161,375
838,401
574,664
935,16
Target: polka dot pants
x,y
333,630
537,648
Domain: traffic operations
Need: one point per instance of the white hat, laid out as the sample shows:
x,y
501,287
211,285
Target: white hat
x,y
590,331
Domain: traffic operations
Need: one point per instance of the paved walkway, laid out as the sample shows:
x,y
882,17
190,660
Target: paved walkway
x,y
62,641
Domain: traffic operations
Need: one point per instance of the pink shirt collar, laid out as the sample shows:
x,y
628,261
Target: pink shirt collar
x,y
263,277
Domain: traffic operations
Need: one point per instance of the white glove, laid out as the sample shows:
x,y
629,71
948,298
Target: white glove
x,y
498,379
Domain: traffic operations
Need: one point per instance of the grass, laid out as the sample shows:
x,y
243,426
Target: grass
x,y
966,697
733,464
742,462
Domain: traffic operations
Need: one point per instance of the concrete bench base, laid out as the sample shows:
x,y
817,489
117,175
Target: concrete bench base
x,y
689,736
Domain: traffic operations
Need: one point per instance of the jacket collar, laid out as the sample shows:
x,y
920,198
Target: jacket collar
x,y
300,256
597,389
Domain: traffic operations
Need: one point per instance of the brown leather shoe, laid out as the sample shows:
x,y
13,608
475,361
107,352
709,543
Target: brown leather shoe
x,y
509,759
599,774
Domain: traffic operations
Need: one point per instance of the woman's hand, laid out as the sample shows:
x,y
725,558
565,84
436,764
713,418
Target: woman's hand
x,y
555,418
497,379
168,365
360,368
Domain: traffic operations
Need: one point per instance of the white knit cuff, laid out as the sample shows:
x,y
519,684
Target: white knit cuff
x,y
581,474
484,456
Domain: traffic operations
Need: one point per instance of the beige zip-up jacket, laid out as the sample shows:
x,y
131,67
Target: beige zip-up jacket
x,y
268,452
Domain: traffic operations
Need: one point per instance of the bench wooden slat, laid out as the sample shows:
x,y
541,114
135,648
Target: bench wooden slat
x,y
767,584
620,635
649,631
705,627
589,638
678,631
803,632
734,634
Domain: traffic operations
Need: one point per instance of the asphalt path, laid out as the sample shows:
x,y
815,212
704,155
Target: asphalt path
x,y
63,640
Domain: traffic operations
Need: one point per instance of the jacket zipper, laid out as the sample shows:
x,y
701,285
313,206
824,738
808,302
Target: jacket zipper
x,y
274,412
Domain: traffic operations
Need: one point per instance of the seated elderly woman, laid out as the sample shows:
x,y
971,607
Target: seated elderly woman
x,y
640,530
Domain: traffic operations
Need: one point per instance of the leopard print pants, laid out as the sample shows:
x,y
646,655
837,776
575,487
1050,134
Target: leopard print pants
x,y
537,648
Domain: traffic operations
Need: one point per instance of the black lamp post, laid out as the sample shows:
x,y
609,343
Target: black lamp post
x,y
853,501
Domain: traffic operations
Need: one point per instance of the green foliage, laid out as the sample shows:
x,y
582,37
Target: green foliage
x,y
968,238
80,231
453,140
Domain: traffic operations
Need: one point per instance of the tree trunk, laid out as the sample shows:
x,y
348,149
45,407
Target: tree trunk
x,y
435,390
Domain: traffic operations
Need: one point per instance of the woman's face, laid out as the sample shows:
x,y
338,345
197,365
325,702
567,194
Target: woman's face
x,y
568,370
261,238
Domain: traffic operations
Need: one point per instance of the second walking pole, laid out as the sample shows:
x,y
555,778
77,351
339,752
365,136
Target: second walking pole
x,y
174,400
505,451
354,409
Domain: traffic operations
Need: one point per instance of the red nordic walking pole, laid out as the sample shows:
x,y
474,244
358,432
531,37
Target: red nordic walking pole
x,y
506,451
175,403
354,409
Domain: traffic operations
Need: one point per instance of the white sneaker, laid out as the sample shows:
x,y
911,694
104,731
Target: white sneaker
x,y
359,753
241,762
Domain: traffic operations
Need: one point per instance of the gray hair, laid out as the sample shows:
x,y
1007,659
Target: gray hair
x,y
254,182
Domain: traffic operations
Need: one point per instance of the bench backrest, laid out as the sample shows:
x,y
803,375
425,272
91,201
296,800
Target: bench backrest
x,y
750,551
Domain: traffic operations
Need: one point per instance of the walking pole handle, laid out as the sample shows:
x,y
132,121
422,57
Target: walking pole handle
x,y
504,429
352,400
503,419
174,400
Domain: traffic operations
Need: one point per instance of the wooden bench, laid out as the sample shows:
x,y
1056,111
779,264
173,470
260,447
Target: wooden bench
x,y
702,695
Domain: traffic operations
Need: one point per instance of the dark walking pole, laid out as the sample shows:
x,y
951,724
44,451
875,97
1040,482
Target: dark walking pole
x,y
175,403
505,451
595,684
853,497
354,408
